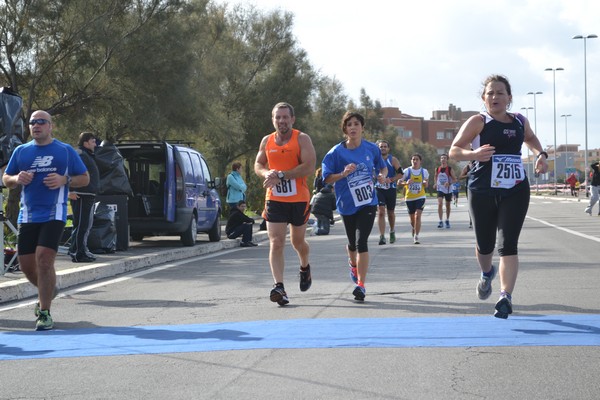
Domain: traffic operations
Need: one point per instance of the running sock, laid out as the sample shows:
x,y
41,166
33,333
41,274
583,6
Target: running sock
x,y
504,293
360,283
488,274
304,269
279,284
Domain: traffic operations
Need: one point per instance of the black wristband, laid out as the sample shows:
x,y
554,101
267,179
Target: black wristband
x,y
542,153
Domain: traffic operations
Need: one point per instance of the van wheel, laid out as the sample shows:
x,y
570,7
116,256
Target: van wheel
x,y
214,234
188,238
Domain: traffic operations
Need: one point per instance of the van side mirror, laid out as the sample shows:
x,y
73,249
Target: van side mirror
x,y
215,183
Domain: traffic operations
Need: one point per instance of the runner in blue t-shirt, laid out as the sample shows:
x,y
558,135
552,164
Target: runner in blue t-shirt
x,y
352,166
45,168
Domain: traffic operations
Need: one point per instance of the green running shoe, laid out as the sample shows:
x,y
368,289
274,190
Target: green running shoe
x,y
36,308
392,237
44,321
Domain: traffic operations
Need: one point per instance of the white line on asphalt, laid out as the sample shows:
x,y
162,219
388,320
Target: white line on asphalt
x,y
572,232
132,275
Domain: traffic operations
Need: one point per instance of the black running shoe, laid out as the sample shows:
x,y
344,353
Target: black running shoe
x,y
503,308
83,259
305,279
359,293
279,296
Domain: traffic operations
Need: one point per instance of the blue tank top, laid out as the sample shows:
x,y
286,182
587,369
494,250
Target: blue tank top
x,y
490,176
391,172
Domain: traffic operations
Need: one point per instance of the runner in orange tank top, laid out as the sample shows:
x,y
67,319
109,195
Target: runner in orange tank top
x,y
285,159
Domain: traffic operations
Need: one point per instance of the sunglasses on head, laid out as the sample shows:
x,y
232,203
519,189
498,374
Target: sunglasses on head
x,y
39,121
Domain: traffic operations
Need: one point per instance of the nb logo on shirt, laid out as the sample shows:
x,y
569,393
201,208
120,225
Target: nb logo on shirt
x,y
41,162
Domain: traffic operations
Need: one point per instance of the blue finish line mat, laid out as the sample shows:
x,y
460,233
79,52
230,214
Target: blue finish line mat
x,y
480,331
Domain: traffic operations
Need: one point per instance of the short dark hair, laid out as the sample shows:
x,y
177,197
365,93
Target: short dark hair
x,y
84,137
348,116
239,203
236,165
283,104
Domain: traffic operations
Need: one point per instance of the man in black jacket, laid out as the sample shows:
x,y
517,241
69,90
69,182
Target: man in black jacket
x,y
239,224
82,201
323,204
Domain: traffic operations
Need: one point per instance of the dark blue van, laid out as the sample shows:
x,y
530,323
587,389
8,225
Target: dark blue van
x,y
173,191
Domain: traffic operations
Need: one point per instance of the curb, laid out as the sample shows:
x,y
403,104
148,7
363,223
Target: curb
x,y
20,289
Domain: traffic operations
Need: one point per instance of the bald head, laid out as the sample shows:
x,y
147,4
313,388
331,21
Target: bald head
x,y
41,114
40,127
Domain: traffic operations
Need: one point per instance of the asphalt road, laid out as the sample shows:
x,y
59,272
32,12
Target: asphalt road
x,y
204,328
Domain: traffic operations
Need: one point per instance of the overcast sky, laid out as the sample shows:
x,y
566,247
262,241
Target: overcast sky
x,y
423,55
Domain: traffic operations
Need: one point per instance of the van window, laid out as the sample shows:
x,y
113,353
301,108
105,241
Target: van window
x,y
205,170
197,168
186,167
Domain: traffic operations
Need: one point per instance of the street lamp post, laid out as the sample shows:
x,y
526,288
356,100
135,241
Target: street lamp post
x,y
528,155
566,143
535,110
585,156
537,187
554,95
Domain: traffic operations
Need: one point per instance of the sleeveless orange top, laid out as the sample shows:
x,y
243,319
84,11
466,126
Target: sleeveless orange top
x,y
284,158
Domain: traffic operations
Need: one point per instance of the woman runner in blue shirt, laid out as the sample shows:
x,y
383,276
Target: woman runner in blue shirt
x,y
352,166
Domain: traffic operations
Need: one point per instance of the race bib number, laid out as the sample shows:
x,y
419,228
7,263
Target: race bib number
x,y
285,188
382,185
442,181
507,171
415,187
362,193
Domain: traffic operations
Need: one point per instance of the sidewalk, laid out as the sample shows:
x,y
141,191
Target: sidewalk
x,y
152,251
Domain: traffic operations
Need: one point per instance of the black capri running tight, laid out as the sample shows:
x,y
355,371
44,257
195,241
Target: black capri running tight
x,y
501,215
362,222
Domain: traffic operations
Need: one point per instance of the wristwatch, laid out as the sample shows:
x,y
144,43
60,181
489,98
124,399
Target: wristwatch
x,y
280,175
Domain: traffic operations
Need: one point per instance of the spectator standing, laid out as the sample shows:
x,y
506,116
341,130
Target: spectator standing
x,y
595,187
45,168
323,204
498,186
236,187
239,224
82,201
571,181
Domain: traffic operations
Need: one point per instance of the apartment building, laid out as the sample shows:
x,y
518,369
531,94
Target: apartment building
x,y
438,131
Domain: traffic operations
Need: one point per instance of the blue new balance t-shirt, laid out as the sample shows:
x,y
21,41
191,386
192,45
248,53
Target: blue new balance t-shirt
x,y
38,202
